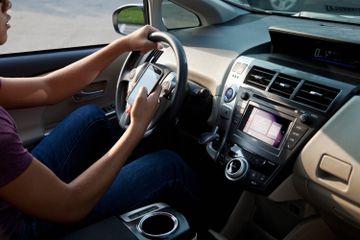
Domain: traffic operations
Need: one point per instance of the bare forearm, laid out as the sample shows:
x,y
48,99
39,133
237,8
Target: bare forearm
x,y
61,84
67,81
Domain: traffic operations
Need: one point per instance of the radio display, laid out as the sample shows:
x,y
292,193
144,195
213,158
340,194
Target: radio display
x,y
265,126
327,47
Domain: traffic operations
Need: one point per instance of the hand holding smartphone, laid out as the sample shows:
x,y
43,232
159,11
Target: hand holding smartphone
x,y
149,79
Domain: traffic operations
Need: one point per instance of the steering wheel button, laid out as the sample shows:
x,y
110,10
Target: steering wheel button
x,y
165,85
132,73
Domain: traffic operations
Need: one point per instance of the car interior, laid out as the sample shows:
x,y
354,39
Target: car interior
x,y
262,104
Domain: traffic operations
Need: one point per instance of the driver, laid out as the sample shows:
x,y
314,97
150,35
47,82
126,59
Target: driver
x,y
77,174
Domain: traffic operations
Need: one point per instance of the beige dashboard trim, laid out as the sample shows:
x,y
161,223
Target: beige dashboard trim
x,y
330,161
311,229
206,66
285,192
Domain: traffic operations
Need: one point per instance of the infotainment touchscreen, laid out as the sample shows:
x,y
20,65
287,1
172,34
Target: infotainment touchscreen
x,y
265,126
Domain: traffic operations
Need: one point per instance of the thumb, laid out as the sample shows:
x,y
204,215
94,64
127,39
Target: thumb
x,y
156,94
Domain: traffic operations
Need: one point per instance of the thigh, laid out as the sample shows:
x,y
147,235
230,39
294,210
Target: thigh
x,y
160,176
79,140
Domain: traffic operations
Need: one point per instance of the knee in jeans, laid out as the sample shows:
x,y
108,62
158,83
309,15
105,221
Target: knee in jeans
x,y
89,112
172,159
169,155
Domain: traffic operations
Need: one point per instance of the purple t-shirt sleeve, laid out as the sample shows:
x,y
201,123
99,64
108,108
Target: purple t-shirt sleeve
x,y
14,158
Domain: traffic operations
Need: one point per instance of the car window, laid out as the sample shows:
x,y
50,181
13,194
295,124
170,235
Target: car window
x,y
48,24
175,17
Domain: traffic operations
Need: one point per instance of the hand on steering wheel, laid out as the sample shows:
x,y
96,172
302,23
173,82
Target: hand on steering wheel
x,y
173,83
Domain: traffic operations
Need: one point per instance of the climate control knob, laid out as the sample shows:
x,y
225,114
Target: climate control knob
x,y
244,96
304,118
236,169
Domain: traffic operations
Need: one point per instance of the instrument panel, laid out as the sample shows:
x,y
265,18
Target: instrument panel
x,y
268,112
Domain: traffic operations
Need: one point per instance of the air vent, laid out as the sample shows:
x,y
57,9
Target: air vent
x,y
259,77
316,95
284,85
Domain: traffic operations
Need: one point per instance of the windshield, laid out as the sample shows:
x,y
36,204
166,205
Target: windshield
x,y
337,10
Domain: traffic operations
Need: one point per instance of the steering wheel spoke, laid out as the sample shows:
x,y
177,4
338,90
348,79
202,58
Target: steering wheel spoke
x,y
124,120
128,75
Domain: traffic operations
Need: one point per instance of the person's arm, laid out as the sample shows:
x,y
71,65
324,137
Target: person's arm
x,y
40,193
63,83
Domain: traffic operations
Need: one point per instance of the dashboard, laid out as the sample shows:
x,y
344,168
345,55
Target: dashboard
x,y
267,115
285,94
274,102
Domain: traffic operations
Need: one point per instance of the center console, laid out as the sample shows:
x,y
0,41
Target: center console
x,y
268,111
155,221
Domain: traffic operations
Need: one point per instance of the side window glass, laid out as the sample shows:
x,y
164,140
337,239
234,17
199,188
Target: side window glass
x,y
38,25
175,17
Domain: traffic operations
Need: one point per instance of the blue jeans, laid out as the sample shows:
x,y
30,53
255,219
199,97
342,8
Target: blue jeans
x,y
82,138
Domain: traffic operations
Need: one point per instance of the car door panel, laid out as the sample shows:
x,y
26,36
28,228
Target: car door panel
x,y
37,63
34,123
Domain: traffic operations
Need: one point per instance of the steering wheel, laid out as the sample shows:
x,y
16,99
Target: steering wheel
x,y
173,84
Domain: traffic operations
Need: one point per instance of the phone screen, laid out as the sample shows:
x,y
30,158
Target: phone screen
x,y
148,79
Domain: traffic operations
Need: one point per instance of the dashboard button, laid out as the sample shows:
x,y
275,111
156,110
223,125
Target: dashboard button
x,y
300,129
226,112
239,67
262,178
253,175
295,136
291,142
229,94
268,168
258,162
254,183
304,118
245,96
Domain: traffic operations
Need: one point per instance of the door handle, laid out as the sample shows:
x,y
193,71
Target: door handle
x,y
84,95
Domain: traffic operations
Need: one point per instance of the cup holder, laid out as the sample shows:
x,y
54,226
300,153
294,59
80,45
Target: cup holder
x,y
157,224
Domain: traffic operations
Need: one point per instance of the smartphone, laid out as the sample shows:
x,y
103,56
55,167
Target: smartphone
x,y
149,79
